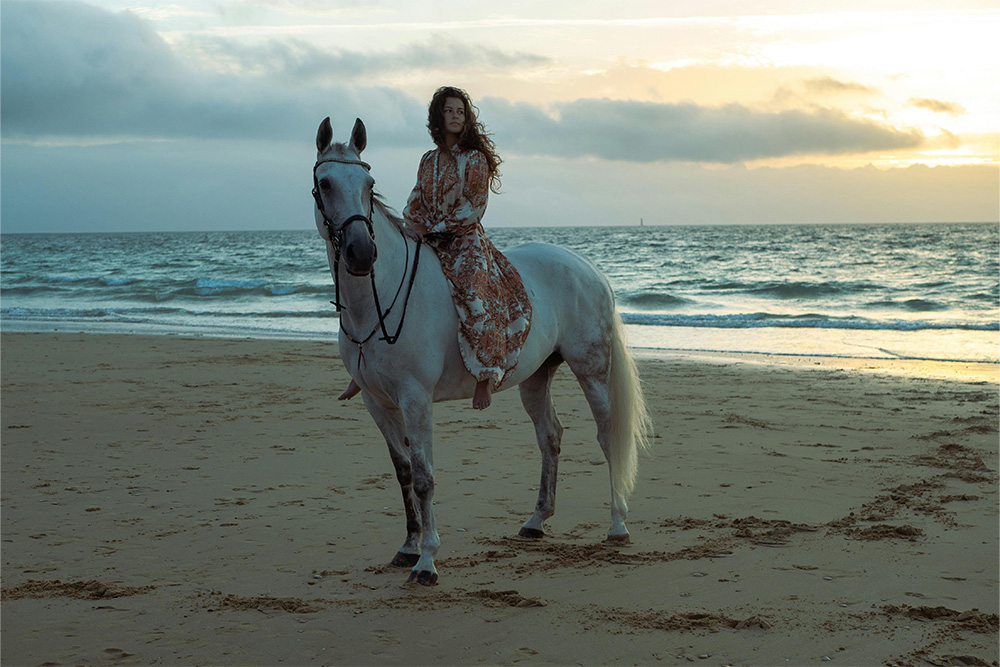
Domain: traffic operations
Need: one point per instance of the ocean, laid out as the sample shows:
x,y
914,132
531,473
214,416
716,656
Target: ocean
x,y
922,291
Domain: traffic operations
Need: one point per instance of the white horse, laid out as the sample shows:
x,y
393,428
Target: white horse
x,y
573,320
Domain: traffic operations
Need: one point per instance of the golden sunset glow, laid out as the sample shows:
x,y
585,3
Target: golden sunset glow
x,y
600,89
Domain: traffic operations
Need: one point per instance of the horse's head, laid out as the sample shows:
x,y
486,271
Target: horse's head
x,y
343,190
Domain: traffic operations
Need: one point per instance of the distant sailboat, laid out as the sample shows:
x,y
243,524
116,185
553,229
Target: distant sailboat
x,y
640,222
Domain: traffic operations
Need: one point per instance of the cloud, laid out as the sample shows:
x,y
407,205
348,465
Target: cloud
x,y
650,132
808,93
938,106
296,61
73,70
828,85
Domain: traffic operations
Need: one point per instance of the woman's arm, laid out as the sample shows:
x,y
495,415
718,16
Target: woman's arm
x,y
416,214
468,210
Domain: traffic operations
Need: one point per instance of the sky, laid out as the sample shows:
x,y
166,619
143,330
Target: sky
x,y
141,115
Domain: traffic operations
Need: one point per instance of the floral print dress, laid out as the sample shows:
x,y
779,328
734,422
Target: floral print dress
x,y
494,314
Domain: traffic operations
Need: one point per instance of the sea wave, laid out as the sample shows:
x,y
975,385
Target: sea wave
x,y
117,282
788,290
713,277
163,315
912,305
76,314
806,321
653,300
152,290
807,290
731,321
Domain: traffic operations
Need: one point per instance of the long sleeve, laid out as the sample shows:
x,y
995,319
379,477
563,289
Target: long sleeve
x,y
416,212
468,209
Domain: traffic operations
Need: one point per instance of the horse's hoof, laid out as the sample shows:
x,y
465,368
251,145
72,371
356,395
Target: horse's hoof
x,y
618,539
404,560
531,533
423,577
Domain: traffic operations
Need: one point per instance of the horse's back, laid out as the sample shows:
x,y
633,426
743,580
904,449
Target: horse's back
x,y
545,268
572,302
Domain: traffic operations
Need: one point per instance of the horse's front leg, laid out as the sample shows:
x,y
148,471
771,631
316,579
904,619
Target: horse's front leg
x,y
390,421
417,417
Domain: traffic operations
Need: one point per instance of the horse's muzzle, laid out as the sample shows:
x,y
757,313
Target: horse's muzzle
x,y
359,255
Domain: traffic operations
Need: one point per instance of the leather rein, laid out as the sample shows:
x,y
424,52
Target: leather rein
x,y
335,232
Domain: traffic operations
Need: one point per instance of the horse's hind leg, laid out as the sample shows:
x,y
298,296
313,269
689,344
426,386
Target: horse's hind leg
x,y
536,396
596,387
390,422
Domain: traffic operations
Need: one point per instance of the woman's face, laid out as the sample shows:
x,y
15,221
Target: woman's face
x,y
453,116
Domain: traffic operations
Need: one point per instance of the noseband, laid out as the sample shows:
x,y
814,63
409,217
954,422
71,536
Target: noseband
x,y
335,232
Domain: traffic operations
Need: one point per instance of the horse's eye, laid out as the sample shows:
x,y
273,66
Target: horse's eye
x,y
324,184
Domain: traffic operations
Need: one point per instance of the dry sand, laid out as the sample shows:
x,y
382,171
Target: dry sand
x,y
202,501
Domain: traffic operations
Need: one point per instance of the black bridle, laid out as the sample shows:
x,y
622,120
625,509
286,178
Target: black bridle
x,y
336,231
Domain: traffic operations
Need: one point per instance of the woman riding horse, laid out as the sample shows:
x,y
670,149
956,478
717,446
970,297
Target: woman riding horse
x,y
445,210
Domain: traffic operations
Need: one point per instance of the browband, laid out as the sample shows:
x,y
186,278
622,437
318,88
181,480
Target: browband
x,y
341,161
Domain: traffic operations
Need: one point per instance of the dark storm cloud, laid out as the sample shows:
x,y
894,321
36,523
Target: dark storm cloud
x,y
648,132
72,70
938,106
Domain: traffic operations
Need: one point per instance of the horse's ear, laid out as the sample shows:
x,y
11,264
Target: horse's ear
x,y
324,135
359,136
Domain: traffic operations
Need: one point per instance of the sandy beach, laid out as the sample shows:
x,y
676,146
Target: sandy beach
x,y
172,500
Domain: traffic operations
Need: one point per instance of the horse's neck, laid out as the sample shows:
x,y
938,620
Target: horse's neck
x,y
395,252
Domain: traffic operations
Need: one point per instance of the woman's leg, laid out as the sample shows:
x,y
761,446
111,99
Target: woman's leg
x,y
352,390
482,398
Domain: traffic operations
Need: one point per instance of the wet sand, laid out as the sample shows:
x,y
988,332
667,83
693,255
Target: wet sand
x,y
177,500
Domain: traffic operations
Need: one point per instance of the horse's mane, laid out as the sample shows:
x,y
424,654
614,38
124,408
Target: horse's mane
x,y
389,212
343,152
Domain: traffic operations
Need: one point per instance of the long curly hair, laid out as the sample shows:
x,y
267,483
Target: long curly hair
x,y
473,136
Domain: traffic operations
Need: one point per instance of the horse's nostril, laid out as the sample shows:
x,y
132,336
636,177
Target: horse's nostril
x,y
353,254
358,258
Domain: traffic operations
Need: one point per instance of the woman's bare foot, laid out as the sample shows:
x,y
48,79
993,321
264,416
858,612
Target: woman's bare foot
x,y
352,390
483,396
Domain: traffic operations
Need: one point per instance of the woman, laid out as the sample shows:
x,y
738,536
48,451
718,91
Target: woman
x,y
445,210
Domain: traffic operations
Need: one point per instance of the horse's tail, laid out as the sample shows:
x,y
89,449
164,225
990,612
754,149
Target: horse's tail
x,y
631,426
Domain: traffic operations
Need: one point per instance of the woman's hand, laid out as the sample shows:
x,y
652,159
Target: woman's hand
x,y
416,230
